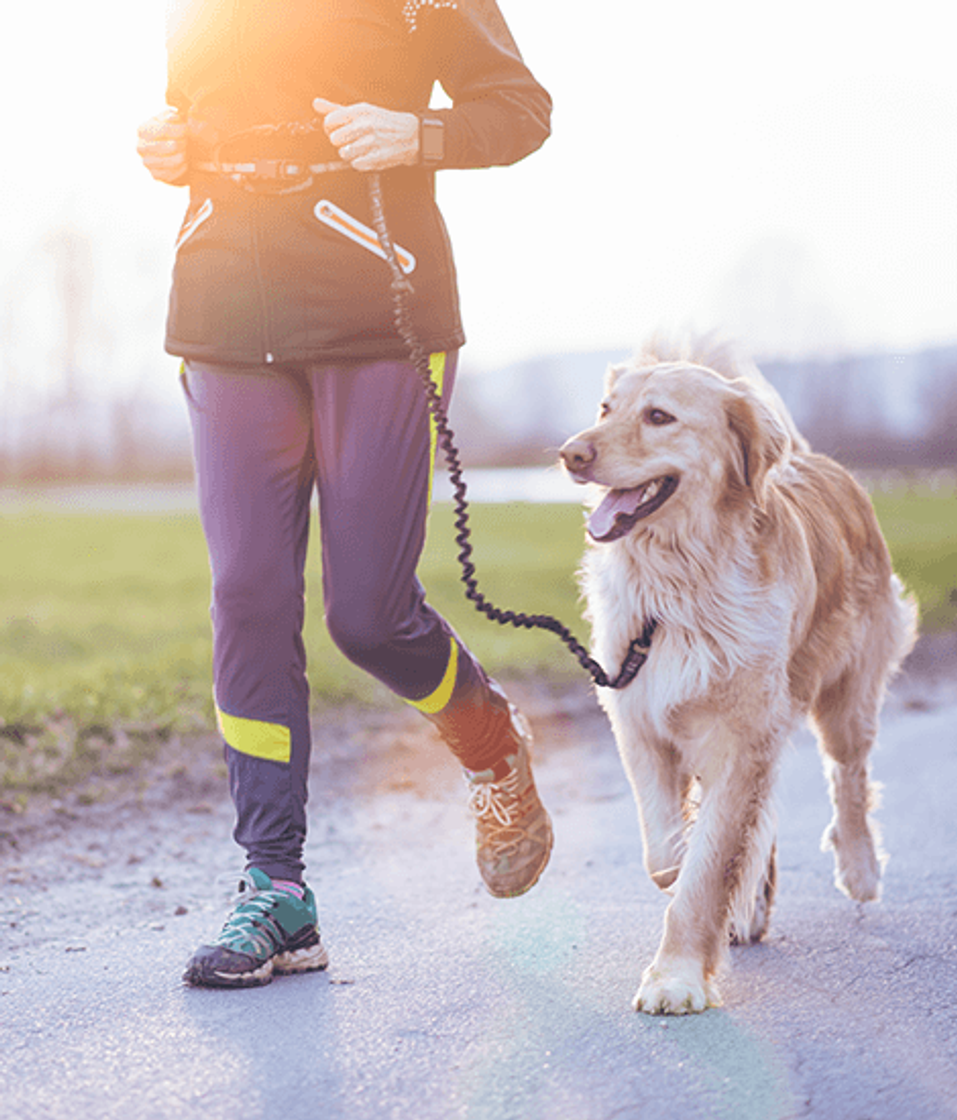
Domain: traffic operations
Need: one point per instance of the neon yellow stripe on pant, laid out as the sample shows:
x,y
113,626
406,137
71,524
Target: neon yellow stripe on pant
x,y
438,699
437,374
270,741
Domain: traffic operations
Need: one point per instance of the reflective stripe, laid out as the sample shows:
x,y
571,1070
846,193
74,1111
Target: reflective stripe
x,y
342,221
195,222
437,700
255,737
437,373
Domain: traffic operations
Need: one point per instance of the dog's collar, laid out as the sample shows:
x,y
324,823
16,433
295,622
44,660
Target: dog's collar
x,y
636,656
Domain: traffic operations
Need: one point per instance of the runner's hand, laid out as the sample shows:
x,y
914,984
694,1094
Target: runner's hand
x,y
161,144
368,137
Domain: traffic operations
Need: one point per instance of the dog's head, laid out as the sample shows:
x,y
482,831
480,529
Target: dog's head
x,y
672,440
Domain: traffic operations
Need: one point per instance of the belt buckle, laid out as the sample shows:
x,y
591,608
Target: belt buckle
x,y
266,175
275,176
276,169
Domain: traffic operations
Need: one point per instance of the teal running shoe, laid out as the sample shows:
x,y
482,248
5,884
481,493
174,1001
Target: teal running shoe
x,y
268,931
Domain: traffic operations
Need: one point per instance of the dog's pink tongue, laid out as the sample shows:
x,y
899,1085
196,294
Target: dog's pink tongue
x,y
617,503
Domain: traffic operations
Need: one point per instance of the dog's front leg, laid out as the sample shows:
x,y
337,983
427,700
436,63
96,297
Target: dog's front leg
x,y
728,853
660,787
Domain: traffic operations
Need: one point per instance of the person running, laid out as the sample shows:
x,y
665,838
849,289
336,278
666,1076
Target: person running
x,y
297,382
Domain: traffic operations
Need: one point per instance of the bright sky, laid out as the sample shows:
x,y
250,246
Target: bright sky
x,y
705,156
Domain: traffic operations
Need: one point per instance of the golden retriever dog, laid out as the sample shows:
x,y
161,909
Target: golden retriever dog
x,y
771,585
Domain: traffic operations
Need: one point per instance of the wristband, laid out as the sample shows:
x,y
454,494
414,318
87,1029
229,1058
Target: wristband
x,y
431,140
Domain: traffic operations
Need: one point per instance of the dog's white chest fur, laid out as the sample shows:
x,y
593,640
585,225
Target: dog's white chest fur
x,y
709,632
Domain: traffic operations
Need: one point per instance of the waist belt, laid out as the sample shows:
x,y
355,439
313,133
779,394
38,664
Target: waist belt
x,y
271,176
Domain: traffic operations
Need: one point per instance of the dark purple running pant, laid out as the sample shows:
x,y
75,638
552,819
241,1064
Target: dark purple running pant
x,y
264,440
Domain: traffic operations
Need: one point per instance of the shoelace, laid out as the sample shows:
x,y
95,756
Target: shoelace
x,y
252,919
498,801
496,798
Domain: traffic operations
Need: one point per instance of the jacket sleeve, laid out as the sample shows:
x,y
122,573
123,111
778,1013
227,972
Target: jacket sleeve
x,y
499,111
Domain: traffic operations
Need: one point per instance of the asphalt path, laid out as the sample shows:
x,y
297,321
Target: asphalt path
x,y
442,1002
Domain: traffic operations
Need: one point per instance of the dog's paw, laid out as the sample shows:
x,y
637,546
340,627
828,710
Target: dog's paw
x,y
666,879
750,927
857,870
675,989
750,931
859,878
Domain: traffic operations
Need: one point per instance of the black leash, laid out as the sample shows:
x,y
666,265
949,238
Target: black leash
x,y
401,289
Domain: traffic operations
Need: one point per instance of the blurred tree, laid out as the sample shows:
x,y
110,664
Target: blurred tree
x,y
73,279
940,401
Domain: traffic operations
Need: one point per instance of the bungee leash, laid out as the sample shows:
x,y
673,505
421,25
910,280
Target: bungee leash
x,y
402,289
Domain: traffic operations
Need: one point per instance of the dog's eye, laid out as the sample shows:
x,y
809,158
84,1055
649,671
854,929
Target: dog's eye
x,y
603,409
658,417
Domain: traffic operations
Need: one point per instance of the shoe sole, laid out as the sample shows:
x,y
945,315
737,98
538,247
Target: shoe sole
x,y
310,958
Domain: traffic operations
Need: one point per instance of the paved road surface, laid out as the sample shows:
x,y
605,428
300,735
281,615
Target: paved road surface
x,y
444,1003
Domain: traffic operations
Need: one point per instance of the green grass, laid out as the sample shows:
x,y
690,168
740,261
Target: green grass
x,y
921,529
104,628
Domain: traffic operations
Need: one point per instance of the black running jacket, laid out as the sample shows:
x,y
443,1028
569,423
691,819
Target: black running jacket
x,y
271,278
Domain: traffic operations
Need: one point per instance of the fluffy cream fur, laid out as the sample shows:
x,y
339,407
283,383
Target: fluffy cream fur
x,y
772,587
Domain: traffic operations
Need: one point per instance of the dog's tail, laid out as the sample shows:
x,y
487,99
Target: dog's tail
x,y
906,619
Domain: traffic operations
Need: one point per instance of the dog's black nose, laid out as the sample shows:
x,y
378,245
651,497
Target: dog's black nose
x,y
577,455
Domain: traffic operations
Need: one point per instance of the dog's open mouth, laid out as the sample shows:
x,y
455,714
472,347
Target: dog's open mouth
x,y
621,510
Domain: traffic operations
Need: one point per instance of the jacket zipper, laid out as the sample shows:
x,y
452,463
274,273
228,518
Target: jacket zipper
x,y
265,341
268,355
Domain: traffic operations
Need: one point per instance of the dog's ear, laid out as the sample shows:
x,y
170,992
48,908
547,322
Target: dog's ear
x,y
761,439
613,372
